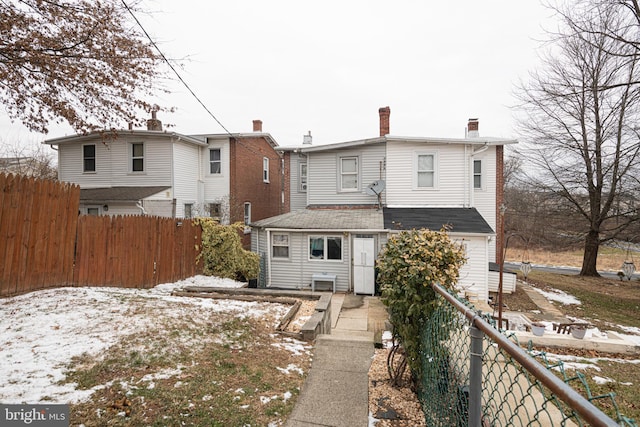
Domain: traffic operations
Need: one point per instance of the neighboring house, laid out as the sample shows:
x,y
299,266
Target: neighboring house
x,y
346,198
232,177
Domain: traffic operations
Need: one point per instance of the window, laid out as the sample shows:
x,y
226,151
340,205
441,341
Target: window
x,y
325,248
303,178
215,161
137,157
477,174
214,210
280,245
426,171
188,210
89,158
348,173
93,211
265,169
247,217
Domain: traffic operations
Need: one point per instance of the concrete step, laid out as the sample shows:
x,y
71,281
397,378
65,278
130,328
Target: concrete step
x,y
342,335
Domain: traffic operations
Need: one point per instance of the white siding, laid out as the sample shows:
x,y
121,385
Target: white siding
x,y
296,272
485,199
186,173
323,170
113,161
474,274
216,186
451,180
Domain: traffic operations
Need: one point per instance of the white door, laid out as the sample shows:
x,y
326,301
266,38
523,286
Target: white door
x,y
364,265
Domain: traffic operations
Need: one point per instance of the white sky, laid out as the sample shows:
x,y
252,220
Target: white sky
x,y
326,67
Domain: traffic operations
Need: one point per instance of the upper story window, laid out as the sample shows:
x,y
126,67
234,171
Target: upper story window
x,y
215,161
325,248
137,157
280,245
89,158
348,173
265,169
425,171
302,178
247,217
477,174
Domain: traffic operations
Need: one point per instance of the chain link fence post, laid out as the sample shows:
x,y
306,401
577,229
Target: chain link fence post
x,y
475,377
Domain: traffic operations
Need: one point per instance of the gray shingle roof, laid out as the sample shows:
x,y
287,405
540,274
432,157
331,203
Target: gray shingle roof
x,y
461,220
118,194
326,219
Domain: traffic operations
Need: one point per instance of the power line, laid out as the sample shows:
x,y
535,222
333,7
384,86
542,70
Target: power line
x,y
173,68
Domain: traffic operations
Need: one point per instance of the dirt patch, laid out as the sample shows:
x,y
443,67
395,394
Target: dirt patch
x,y
306,309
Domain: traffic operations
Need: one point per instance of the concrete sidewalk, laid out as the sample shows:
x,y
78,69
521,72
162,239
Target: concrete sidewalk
x,y
336,391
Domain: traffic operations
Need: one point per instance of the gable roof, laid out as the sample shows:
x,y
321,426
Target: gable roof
x,y
118,194
461,220
326,219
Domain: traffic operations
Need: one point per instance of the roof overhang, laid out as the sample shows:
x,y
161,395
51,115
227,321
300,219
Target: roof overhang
x,y
457,220
118,194
113,136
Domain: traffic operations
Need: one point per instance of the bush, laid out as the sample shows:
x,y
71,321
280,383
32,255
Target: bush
x,y
222,253
407,266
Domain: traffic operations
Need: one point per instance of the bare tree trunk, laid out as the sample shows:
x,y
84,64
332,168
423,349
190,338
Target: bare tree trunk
x,y
589,261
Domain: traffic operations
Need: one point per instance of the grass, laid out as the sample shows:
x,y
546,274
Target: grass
x,y
223,373
609,259
608,304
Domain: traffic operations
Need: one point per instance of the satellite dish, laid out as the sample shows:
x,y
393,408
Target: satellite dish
x,y
375,188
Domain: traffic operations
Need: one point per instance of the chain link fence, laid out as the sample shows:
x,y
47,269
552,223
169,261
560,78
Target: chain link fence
x,y
473,375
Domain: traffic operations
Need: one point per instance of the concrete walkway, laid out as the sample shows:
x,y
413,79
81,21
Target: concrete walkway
x,y
336,391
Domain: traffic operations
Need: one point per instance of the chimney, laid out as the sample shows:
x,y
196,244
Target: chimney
x,y
153,123
472,128
306,139
257,125
385,112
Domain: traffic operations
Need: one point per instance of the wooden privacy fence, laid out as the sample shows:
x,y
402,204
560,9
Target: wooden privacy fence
x,y
135,251
45,244
37,233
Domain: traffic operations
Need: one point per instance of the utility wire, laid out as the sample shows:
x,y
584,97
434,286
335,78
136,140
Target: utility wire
x,y
173,68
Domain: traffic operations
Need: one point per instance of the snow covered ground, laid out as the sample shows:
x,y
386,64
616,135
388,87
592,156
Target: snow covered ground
x,y
41,331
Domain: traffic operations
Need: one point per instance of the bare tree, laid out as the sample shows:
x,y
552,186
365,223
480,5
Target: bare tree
x,y
25,159
81,61
580,123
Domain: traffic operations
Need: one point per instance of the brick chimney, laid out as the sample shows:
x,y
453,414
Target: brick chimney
x,y
153,123
385,112
472,128
257,125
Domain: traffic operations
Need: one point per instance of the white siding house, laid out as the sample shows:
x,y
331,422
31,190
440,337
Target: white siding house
x,y
426,183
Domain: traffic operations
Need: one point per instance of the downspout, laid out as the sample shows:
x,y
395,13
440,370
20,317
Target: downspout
x,y
268,260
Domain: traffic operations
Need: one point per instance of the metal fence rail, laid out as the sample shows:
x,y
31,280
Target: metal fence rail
x,y
473,375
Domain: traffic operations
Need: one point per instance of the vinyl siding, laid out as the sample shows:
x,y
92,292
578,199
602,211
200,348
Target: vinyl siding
x,y
296,272
474,274
216,186
485,199
450,183
186,175
324,176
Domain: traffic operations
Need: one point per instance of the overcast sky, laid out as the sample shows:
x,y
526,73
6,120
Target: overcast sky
x,y
327,66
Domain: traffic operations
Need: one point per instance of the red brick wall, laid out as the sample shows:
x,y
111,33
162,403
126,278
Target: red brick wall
x,y
247,183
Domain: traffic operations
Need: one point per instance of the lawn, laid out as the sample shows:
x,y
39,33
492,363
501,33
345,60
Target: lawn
x,y
144,357
609,304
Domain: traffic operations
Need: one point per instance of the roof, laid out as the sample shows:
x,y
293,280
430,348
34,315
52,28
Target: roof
x,y
461,220
326,219
118,194
239,136
107,137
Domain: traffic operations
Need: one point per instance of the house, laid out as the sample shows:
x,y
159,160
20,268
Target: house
x,y
347,198
232,177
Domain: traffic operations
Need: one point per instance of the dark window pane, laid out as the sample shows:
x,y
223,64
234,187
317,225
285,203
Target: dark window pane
x,y
334,247
89,165
138,165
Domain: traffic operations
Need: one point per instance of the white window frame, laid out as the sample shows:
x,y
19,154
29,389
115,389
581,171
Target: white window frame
x,y
247,217
302,177
480,186
188,207
212,162
280,244
265,170
325,249
416,171
342,174
133,157
85,158
210,208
